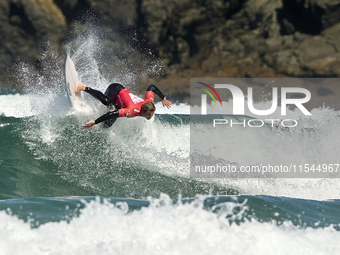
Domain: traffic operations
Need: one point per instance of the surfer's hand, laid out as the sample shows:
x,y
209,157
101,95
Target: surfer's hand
x,y
89,124
166,103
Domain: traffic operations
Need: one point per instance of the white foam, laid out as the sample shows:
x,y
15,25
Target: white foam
x,y
27,105
162,228
16,106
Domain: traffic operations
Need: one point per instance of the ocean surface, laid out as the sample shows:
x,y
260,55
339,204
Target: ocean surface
x,y
127,189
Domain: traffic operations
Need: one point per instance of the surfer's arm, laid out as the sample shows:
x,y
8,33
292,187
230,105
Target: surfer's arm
x,y
107,116
124,112
150,93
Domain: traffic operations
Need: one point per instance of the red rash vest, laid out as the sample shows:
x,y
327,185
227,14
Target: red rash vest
x,y
130,105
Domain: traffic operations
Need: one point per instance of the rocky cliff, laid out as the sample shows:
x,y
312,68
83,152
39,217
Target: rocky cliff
x,y
202,38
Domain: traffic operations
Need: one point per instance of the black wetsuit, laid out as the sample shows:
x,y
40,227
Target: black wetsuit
x,y
109,99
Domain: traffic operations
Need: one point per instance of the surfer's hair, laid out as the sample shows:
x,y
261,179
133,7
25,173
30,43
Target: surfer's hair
x,y
148,106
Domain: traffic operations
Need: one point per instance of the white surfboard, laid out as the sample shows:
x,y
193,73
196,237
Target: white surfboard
x,y
71,80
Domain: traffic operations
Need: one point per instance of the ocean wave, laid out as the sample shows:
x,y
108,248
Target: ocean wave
x,y
168,227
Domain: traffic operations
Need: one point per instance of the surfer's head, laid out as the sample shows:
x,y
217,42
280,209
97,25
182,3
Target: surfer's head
x,y
148,109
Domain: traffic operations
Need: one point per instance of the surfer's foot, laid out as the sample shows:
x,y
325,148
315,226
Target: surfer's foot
x,y
80,87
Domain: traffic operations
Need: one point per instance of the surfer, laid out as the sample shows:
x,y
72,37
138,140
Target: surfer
x,y
125,103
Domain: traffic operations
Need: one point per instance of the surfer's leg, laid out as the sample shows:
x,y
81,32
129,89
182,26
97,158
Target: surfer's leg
x,y
110,94
80,87
97,94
